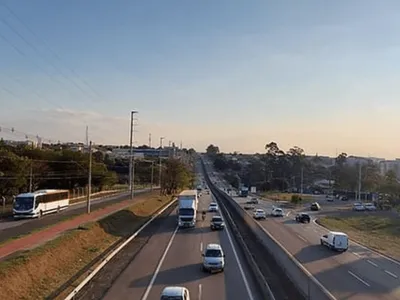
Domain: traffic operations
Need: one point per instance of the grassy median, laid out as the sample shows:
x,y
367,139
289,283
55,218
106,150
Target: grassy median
x,y
377,232
286,196
36,273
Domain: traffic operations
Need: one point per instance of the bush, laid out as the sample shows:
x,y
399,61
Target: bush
x,y
296,199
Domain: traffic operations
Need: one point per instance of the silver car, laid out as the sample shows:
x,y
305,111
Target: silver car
x,y
213,258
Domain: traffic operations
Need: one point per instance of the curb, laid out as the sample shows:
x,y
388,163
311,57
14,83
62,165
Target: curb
x,y
391,259
115,252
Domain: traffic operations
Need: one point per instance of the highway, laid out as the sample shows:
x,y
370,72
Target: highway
x,y
358,274
173,257
10,228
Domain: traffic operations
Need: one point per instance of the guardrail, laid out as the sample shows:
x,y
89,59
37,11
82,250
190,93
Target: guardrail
x,y
309,286
107,259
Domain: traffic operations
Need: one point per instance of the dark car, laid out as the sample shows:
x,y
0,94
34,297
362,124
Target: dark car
x,y
303,218
315,206
217,223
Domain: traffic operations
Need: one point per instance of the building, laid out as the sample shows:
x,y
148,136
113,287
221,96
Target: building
x,y
390,165
142,153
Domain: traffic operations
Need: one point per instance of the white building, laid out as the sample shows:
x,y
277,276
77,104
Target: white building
x,y
386,165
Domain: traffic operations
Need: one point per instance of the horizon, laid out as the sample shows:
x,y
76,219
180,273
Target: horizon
x,y
322,76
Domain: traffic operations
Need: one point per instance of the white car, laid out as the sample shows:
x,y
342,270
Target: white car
x,y
249,206
213,207
277,212
370,206
358,206
213,258
175,293
338,241
259,214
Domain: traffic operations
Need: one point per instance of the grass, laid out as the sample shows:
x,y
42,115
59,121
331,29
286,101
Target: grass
x,y
36,273
377,232
286,196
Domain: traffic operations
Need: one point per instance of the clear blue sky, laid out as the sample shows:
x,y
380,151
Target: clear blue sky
x,y
319,74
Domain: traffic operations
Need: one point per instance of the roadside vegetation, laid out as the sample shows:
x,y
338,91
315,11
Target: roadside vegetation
x,y
35,274
377,232
277,171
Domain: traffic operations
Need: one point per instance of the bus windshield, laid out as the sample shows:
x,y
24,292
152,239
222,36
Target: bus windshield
x,y
23,203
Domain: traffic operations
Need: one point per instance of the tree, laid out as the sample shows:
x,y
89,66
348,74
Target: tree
x,y
212,150
175,176
220,162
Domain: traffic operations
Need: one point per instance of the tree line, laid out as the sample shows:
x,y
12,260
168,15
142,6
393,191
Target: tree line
x,y
281,170
23,168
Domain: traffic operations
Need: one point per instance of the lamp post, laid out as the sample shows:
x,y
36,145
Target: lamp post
x,y
131,158
160,166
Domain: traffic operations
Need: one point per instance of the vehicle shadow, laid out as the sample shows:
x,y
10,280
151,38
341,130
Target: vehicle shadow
x,y
313,253
291,221
173,276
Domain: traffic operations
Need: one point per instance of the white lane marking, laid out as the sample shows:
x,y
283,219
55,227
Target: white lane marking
x,y
300,237
372,263
391,274
358,278
200,291
201,246
153,279
246,283
356,254
287,215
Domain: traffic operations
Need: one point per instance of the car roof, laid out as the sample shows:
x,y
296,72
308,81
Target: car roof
x,y
173,291
213,203
338,233
259,209
213,247
217,217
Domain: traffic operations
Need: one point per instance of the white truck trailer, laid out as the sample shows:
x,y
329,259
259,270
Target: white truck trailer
x,y
187,208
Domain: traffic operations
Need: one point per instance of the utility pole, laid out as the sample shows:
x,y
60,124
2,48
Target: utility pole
x,y
152,175
149,140
131,161
89,191
31,177
160,172
359,183
301,181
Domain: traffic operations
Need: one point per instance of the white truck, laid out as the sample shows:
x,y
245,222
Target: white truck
x,y
187,208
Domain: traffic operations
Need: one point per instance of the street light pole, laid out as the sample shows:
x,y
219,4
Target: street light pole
x,y
89,191
160,173
152,175
131,161
302,179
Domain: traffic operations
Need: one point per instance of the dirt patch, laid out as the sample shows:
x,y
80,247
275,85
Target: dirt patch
x,y
381,233
35,274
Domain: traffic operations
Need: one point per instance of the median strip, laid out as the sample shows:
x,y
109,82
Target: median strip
x,y
35,274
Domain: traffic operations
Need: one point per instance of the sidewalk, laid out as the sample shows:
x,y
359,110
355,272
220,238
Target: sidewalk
x,y
37,238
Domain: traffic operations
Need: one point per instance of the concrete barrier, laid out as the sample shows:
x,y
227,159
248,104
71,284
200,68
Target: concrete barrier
x,y
299,275
305,282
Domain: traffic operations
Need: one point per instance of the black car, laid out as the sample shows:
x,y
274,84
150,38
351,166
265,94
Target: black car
x,y
303,218
217,223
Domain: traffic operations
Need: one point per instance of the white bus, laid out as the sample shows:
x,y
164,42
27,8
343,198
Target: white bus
x,y
39,203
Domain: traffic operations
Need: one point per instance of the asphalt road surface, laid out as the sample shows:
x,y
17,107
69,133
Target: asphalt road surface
x,y
10,228
358,274
173,257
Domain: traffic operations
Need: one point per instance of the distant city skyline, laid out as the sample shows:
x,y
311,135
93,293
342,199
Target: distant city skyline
x,y
320,75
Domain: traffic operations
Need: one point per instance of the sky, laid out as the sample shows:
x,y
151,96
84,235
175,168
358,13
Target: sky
x,y
322,75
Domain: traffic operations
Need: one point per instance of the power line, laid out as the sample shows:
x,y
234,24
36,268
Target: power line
x,y
49,49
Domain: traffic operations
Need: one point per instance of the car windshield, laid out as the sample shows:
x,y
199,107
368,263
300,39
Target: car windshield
x,y
213,204
23,203
213,253
217,219
259,211
186,212
171,298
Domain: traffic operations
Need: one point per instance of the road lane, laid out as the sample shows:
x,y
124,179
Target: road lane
x,y
157,267
11,228
356,274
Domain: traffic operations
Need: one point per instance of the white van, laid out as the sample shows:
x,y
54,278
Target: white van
x,y
338,241
175,293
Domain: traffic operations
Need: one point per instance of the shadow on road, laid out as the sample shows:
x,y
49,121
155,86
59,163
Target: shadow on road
x,y
173,276
314,253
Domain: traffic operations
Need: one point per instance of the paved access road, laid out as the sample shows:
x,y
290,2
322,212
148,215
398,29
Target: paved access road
x,y
11,228
173,257
358,274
